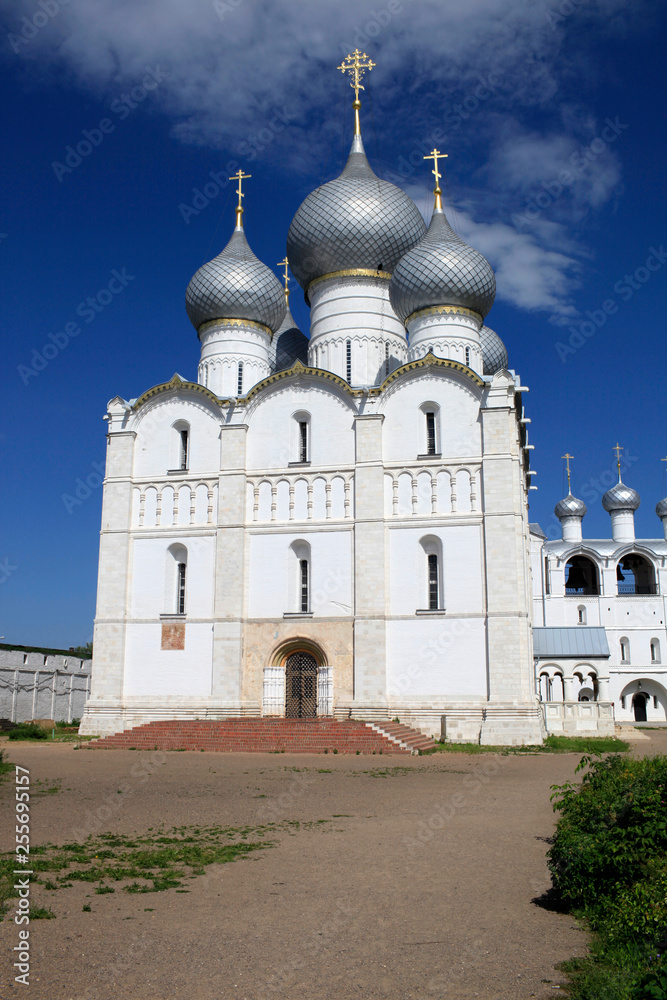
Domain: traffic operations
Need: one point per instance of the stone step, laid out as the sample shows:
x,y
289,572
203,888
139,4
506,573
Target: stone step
x,y
254,735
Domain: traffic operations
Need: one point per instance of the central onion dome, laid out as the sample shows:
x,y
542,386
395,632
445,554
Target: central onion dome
x,y
235,285
570,507
620,497
356,221
442,270
494,352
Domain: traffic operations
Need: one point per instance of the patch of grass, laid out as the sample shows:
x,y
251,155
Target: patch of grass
x,y
150,863
5,765
41,913
552,744
27,731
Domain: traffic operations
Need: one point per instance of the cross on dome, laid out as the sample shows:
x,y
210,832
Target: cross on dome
x,y
285,264
240,177
618,449
436,155
356,67
568,458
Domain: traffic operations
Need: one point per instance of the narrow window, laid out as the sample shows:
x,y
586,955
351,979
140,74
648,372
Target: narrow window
x,y
239,384
386,359
180,597
303,441
547,581
303,568
622,701
655,701
184,450
581,613
433,583
348,361
430,433
625,651
655,651
468,356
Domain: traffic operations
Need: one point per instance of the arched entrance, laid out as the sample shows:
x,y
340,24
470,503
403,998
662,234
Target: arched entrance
x,y
639,707
301,685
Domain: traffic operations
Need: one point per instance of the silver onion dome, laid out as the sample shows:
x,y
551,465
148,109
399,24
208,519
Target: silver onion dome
x,y
494,352
621,497
354,221
442,270
289,344
235,285
570,507
661,508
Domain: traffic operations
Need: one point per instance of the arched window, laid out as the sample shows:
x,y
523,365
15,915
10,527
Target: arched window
x,y
239,380
301,438
348,361
625,650
581,577
468,356
176,580
299,595
581,615
635,575
429,443
179,450
655,651
432,587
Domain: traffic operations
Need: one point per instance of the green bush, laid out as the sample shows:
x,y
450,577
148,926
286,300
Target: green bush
x,y
27,731
608,862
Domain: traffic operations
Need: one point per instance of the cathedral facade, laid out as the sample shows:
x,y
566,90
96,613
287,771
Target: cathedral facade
x,y
336,525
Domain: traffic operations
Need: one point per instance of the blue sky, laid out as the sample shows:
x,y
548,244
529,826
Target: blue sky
x,y
552,114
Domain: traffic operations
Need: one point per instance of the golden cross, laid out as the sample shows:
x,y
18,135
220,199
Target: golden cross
x,y
240,177
618,449
356,67
285,263
567,458
436,155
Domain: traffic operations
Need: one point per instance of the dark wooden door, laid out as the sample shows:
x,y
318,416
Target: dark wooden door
x,y
639,705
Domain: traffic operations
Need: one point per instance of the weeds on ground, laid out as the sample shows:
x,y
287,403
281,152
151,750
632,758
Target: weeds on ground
x,y
552,744
608,864
150,863
27,731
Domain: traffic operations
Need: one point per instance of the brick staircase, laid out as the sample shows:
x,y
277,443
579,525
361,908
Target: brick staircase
x,y
255,735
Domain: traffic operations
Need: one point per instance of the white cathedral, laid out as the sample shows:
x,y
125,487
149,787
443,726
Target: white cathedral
x,y
338,526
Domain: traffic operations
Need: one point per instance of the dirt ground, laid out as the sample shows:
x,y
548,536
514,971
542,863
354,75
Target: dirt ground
x,y
418,885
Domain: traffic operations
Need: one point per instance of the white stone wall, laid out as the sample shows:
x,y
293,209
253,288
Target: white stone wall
x,y
42,686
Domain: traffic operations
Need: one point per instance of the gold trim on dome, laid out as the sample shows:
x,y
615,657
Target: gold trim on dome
x,y
234,322
351,272
437,310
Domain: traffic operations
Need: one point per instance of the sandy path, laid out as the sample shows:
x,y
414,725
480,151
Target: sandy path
x,y
422,890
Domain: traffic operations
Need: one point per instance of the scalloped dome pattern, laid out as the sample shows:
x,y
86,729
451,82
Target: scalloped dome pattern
x,y
494,352
621,497
235,285
661,508
354,221
442,270
289,345
570,507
